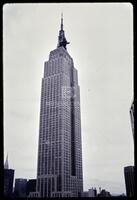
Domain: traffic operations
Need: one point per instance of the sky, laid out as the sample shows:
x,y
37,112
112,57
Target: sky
x,y
101,45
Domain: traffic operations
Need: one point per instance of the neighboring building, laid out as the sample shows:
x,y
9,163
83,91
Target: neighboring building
x,y
118,195
132,117
129,180
34,194
92,192
129,170
104,193
20,187
59,172
31,186
8,180
84,194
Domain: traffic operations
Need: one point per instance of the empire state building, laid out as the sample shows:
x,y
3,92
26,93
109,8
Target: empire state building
x,y
59,169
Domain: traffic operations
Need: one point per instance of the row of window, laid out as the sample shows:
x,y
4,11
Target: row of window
x,y
52,67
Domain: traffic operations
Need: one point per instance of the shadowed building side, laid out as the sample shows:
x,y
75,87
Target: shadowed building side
x,y
129,180
129,170
8,179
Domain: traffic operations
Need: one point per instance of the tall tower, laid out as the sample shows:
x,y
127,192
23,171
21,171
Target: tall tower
x,y
59,172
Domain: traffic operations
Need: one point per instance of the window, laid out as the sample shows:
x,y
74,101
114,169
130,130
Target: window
x,y
59,183
45,187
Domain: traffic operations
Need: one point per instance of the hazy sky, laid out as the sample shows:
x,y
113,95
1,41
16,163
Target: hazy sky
x,y
100,36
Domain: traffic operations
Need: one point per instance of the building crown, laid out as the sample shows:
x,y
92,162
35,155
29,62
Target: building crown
x,y
62,42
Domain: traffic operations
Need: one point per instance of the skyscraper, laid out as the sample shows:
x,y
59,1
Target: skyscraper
x,y
59,172
129,180
8,179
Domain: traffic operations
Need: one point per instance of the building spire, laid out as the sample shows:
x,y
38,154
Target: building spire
x,y
6,166
62,21
62,42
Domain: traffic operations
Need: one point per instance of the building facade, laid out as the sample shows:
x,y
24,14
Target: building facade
x,y
59,172
33,195
129,180
8,180
92,192
104,193
84,194
20,187
31,186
